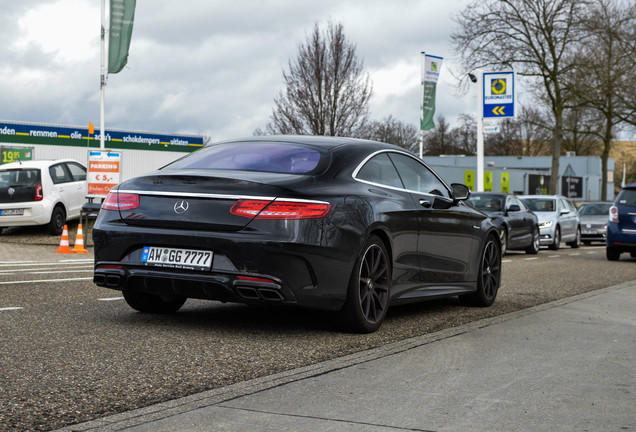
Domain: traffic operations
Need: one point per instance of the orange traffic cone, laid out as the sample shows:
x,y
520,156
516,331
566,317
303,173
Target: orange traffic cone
x,y
79,241
64,242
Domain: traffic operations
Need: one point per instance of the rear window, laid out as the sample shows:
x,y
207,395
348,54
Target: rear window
x,y
627,197
19,177
264,157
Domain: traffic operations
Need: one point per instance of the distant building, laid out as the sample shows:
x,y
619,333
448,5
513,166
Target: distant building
x,y
579,176
142,151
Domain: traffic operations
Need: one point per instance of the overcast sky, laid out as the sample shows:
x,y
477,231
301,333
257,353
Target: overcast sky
x,y
211,67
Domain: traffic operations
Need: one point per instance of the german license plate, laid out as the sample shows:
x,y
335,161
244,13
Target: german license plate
x,y
12,212
177,258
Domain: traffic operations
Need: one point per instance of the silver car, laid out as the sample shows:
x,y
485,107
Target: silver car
x,y
558,220
594,218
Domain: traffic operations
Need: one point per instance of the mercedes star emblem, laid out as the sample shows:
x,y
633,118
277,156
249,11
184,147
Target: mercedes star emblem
x,y
180,207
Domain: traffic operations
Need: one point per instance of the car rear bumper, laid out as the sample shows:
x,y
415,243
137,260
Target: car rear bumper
x,y
619,239
245,268
35,213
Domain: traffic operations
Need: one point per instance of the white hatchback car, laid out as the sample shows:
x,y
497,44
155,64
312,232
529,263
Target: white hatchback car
x,y
43,192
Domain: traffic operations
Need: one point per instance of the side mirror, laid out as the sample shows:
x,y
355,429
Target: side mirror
x,y
460,191
513,208
565,211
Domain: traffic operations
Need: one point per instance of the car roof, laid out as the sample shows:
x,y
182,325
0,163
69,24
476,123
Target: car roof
x,y
41,163
325,142
541,196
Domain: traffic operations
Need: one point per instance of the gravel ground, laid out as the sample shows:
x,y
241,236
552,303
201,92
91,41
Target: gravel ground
x,y
97,360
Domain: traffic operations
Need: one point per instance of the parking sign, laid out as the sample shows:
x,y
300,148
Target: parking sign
x,y
499,94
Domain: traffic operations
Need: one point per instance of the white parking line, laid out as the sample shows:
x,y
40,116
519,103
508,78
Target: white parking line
x,y
574,254
64,270
44,280
554,256
503,261
110,299
530,259
10,308
32,263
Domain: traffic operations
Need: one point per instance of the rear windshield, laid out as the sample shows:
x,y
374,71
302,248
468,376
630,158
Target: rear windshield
x,y
540,204
627,197
264,157
19,177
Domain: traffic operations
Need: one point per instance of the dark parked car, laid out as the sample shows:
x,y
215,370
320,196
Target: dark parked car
x,y
594,218
518,226
327,223
621,229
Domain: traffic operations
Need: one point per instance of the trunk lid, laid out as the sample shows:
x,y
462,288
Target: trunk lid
x,y
201,200
19,185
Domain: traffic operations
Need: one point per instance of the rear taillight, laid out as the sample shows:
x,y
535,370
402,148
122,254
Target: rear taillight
x,y
613,214
280,209
39,195
120,201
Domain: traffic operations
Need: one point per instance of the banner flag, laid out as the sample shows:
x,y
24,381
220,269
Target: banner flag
x,y
122,15
431,66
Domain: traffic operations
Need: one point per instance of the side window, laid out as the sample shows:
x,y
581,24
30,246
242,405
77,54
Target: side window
x,y
59,174
380,170
77,171
417,177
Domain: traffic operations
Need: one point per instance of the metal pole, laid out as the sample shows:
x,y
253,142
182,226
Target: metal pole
x,y
480,132
423,66
102,78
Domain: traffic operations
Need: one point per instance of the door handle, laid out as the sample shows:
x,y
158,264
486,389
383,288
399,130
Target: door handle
x,y
425,203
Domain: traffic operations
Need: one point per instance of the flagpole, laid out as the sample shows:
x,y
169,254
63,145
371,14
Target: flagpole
x,y
102,77
423,61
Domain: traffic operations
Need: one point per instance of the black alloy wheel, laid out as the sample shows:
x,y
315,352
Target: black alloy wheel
x,y
151,303
533,249
368,293
489,277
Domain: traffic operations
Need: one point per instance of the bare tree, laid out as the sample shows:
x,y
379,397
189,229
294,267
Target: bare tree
x,y
392,131
464,137
439,141
537,37
604,80
326,92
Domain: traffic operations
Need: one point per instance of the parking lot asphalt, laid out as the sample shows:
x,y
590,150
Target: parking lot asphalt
x,y
568,365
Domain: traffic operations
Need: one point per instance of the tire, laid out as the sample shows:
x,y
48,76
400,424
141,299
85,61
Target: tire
x,y
150,303
503,236
612,254
557,239
58,219
533,249
632,254
489,277
369,289
577,241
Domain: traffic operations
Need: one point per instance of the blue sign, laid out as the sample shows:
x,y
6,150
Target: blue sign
x,y
499,94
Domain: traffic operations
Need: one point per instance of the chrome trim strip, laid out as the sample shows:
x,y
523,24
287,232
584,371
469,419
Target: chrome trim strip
x,y
195,195
220,196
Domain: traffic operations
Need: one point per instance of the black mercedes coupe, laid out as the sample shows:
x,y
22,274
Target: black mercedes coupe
x,y
335,224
